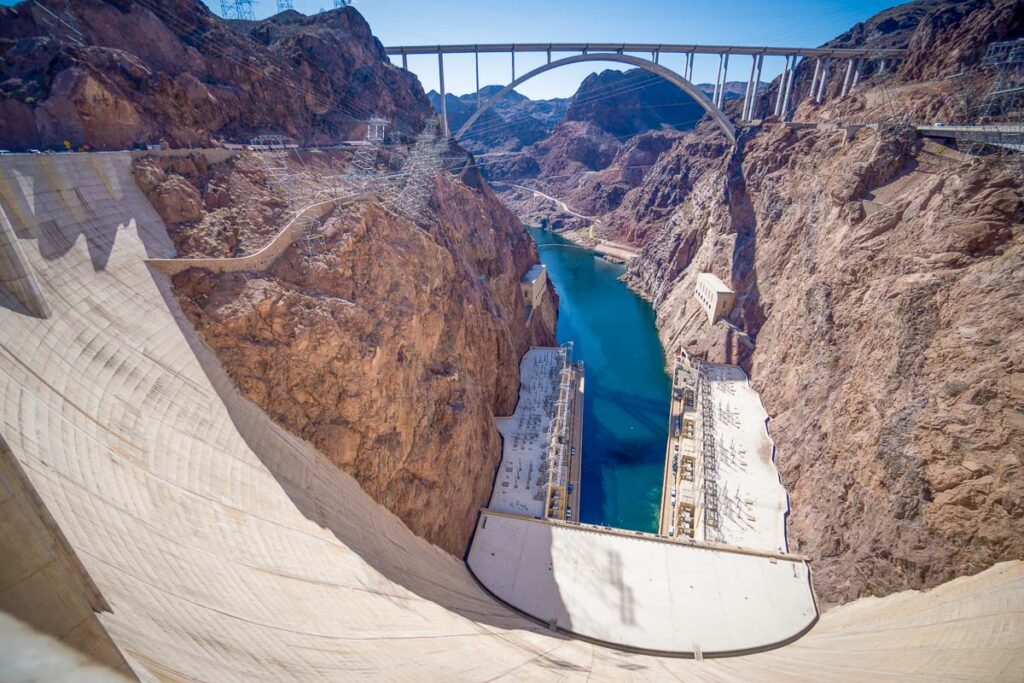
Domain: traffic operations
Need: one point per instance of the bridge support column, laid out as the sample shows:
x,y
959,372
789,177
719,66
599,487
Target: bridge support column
x,y
513,62
718,81
750,86
757,84
846,79
444,105
824,80
782,86
856,73
789,88
405,61
723,76
814,81
476,60
688,74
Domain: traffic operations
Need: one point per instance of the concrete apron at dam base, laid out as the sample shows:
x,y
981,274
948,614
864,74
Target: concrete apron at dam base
x,y
625,588
210,544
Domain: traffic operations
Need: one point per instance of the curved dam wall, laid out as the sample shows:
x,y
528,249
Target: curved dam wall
x,y
224,548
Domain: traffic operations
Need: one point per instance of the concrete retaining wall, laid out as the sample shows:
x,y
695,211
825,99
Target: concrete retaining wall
x,y
265,256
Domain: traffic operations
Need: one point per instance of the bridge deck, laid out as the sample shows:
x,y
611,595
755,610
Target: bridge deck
x,y
619,48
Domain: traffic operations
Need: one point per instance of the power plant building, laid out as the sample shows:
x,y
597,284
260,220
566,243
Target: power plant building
x,y
713,294
532,285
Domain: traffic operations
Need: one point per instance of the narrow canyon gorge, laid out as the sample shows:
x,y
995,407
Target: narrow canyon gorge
x,y
879,274
879,279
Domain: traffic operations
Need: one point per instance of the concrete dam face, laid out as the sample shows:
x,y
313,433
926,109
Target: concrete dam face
x,y
159,522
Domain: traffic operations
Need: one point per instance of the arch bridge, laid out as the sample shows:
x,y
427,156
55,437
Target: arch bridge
x,y
826,59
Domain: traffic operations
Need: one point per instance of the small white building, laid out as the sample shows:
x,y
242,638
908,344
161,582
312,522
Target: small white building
x,y
533,285
713,294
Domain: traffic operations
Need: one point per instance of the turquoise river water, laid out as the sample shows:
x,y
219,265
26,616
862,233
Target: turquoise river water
x,y
625,419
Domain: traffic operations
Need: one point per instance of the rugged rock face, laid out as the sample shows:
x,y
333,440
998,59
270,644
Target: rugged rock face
x,y
879,309
216,210
512,123
574,147
625,103
882,285
119,73
391,347
615,127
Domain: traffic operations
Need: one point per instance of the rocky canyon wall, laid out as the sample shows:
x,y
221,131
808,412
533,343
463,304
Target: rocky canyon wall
x,y
879,315
880,282
111,74
391,347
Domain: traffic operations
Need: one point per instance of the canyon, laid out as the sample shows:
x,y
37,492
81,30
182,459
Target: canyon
x,y
878,275
878,278
391,346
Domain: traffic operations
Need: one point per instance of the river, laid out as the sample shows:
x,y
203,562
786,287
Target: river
x,y
625,420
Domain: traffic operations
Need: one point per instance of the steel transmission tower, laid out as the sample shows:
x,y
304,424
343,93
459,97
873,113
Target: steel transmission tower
x,y
338,4
1004,99
237,9
1001,110
283,5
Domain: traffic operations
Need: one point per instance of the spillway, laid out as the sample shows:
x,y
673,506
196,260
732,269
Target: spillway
x,y
185,536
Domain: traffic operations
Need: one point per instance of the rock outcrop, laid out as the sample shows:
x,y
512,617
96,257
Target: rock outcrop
x,y
113,74
391,346
514,122
879,282
626,103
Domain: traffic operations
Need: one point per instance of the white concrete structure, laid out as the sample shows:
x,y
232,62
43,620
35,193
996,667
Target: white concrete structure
x,y
752,503
228,549
521,483
533,284
640,591
714,295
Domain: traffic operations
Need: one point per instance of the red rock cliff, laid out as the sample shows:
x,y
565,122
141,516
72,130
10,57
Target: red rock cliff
x,y
879,306
112,74
391,347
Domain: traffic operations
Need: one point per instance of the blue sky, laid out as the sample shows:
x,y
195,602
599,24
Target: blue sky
x,y
747,22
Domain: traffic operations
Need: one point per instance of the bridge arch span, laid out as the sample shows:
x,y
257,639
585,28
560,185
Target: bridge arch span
x,y
669,75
